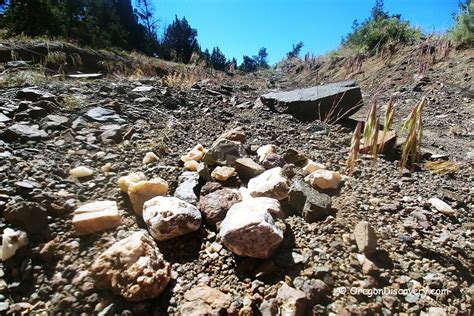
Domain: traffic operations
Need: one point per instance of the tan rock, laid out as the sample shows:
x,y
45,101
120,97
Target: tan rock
x,y
191,165
312,166
133,268
81,171
204,300
442,207
125,181
142,191
247,168
11,241
365,237
236,134
324,179
197,153
264,151
106,168
149,158
222,173
96,217
272,183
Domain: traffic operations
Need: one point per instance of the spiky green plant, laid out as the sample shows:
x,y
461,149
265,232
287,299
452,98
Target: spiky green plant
x,y
354,151
374,141
414,126
370,126
388,122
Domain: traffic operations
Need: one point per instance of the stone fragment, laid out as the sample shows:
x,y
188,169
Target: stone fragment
x,y
264,151
112,134
294,157
312,166
324,179
308,202
149,158
271,184
247,168
317,292
55,122
224,152
236,134
125,181
223,173
214,205
269,307
249,228
204,172
23,132
293,302
33,94
385,143
169,217
330,102
442,207
191,165
141,191
204,300
95,217
12,240
30,216
365,237
101,114
197,153
133,268
81,172
143,89
4,118
272,161
188,187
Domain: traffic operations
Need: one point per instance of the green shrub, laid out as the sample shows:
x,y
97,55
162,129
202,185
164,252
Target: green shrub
x,y
463,31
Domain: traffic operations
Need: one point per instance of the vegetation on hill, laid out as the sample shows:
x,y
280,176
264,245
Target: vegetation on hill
x,y
463,31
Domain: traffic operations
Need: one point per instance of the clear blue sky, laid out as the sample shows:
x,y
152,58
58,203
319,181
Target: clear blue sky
x,y
241,27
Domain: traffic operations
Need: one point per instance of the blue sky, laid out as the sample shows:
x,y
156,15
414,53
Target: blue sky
x,y
241,27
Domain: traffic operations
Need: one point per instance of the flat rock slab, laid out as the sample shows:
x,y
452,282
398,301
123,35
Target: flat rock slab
x,y
23,132
101,114
329,102
85,76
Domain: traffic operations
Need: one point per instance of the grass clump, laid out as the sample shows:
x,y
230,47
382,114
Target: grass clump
x,y
414,126
22,79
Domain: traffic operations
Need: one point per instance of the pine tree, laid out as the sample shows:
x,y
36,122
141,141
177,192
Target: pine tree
x,y
378,11
248,64
217,59
261,58
295,51
179,41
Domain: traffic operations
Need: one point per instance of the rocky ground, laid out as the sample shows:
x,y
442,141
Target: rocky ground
x,y
323,265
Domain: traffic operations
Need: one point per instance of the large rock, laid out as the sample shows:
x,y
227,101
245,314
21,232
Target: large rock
x,y
32,94
204,300
101,114
96,217
324,179
365,237
252,227
23,132
169,217
188,186
55,122
133,268
326,102
29,215
272,183
141,191
247,168
308,202
215,204
224,152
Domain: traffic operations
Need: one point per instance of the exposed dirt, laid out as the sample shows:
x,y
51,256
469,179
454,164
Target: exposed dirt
x,y
418,247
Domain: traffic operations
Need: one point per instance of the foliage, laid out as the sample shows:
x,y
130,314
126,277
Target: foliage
x,y
248,64
261,58
463,31
217,59
354,151
380,29
180,41
295,51
414,126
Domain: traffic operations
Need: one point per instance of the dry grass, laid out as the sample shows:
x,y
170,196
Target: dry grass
x,y
179,80
70,102
442,167
354,151
22,78
414,125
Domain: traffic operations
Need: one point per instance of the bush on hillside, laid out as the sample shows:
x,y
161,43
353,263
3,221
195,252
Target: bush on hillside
x,y
463,31
380,29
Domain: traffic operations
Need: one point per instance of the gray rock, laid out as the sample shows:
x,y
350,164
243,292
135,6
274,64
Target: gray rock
x,y
101,114
332,101
204,172
28,215
85,76
269,307
293,302
4,118
316,290
272,183
55,122
79,123
247,168
143,89
16,64
188,187
308,202
32,94
169,217
23,132
111,135
272,161
224,152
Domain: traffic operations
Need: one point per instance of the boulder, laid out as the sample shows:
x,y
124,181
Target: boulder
x,y
224,152
365,238
214,205
331,102
308,202
133,268
141,191
125,181
272,183
188,187
12,240
169,217
23,132
293,302
324,179
247,168
95,217
204,300
223,173
252,227
28,215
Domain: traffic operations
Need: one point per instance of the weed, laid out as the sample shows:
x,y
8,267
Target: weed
x,y
22,78
179,80
387,125
354,151
70,102
442,167
414,125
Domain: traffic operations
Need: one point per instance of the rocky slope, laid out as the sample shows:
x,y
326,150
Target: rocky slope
x,y
380,229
